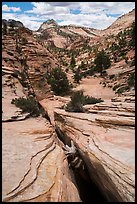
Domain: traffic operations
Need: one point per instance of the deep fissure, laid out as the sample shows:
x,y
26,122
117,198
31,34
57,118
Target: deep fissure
x,y
88,190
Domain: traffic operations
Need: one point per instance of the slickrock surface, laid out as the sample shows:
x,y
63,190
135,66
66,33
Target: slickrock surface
x,y
49,104
105,137
33,166
11,88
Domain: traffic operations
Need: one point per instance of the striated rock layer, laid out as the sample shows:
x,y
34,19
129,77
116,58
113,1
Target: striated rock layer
x,y
105,139
33,164
34,168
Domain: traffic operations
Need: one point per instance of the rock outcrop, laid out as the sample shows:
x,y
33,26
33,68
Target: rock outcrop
x,y
105,139
34,168
28,56
12,23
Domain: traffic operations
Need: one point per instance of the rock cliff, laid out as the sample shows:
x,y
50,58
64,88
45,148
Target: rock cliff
x,y
33,164
105,139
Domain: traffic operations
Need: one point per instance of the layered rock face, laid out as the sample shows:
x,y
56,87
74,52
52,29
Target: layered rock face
x,y
105,139
23,53
33,164
38,172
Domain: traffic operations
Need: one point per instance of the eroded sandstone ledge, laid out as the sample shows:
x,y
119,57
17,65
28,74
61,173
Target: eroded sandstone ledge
x,y
106,142
38,171
33,164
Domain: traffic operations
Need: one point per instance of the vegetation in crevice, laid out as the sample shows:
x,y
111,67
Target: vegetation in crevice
x,y
29,105
131,80
78,100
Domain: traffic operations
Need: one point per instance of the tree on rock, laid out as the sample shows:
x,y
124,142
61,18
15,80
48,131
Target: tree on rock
x,y
4,29
58,81
102,62
132,34
77,75
72,62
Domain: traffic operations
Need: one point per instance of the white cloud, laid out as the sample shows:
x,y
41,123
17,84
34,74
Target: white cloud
x,y
43,8
14,9
121,8
85,20
106,7
31,22
97,15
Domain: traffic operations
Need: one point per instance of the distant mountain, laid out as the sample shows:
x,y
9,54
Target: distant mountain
x,y
63,36
12,23
121,23
47,24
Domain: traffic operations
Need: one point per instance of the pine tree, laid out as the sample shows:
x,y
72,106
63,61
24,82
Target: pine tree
x,y
4,29
72,62
58,81
132,33
77,76
102,61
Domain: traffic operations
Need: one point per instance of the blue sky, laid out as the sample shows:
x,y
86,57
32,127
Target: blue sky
x,y
97,15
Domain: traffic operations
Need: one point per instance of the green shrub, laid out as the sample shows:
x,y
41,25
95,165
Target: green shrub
x,y
77,76
122,42
72,62
76,103
67,69
78,100
126,60
116,86
122,89
91,100
4,29
102,62
58,81
114,47
24,41
122,54
131,80
132,35
133,62
10,53
64,63
104,73
28,105
22,76
112,76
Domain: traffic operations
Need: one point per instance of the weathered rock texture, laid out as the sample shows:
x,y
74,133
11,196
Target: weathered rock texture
x,y
34,168
33,164
105,138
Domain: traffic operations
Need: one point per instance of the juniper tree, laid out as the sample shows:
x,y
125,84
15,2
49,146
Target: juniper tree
x,y
102,62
